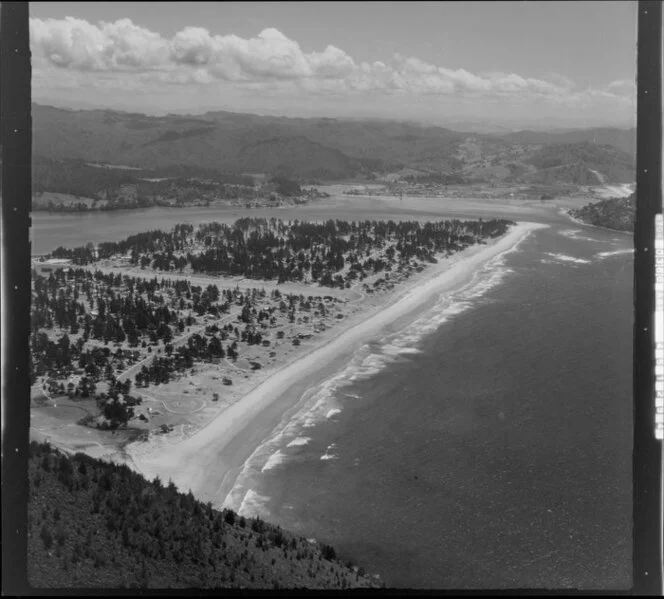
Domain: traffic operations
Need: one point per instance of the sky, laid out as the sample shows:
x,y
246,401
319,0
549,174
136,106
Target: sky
x,y
561,63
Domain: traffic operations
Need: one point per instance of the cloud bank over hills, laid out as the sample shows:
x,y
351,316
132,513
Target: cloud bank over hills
x,y
107,57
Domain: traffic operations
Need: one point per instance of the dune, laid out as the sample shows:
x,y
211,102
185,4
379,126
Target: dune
x,y
208,461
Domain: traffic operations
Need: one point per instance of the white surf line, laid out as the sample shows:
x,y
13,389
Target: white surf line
x,y
299,441
275,459
602,255
566,258
575,234
186,462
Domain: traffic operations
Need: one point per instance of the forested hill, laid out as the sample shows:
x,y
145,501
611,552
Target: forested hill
x,y
253,145
583,163
614,213
92,524
623,139
324,148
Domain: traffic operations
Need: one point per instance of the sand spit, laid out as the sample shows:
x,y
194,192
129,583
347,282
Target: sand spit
x,y
208,461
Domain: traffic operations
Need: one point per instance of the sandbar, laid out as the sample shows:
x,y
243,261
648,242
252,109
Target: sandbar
x,y
207,462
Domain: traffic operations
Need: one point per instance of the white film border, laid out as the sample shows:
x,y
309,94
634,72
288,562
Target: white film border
x,y
659,326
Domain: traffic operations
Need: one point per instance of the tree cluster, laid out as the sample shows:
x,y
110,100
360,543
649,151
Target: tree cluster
x,y
105,308
333,253
133,188
614,213
98,524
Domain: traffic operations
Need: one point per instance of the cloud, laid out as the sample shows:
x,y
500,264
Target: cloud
x,y
270,55
271,62
622,87
76,44
332,63
192,46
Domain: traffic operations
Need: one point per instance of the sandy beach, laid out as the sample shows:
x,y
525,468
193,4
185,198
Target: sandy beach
x,y
208,461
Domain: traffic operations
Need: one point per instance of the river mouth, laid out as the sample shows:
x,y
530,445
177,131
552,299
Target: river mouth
x,y
51,230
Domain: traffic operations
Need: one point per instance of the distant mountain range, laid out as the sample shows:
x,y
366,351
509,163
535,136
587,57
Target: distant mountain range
x,y
331,149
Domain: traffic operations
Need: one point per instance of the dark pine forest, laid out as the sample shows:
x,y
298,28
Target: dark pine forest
x,y
333,254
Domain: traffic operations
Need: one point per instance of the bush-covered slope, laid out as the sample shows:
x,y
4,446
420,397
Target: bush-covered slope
x,y
152,142
294,156
99,525
572,163
615,213
325,148
623,139
77,178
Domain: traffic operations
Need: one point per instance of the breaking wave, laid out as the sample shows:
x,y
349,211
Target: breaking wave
x,y
325,400
566,258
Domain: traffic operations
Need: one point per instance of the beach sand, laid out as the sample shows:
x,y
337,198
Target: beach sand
x,y
208,461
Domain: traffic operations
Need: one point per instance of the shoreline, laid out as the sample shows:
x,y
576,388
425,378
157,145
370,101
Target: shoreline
x,y
208,461
584,224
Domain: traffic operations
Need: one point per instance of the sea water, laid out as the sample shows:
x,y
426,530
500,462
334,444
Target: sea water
x,y
485,443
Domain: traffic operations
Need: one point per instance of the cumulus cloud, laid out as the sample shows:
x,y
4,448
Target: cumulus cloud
x,y
193,46
272,61
77,44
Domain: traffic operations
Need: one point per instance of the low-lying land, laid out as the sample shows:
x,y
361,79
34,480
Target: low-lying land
x,y
131,357
208,461
407,187
183,373
113,351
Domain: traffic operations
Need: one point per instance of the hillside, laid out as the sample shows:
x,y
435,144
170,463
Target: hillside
x,y
380,143
323,148
294,156
92,524
615,213
153,142
623,139
605,163
76,185
559,154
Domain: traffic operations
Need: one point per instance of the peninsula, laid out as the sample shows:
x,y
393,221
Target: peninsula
x,y
168,347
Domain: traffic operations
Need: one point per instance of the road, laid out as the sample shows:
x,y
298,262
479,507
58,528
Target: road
x,y
177,342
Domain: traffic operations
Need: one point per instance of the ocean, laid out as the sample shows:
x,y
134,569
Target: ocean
x,y
486,444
